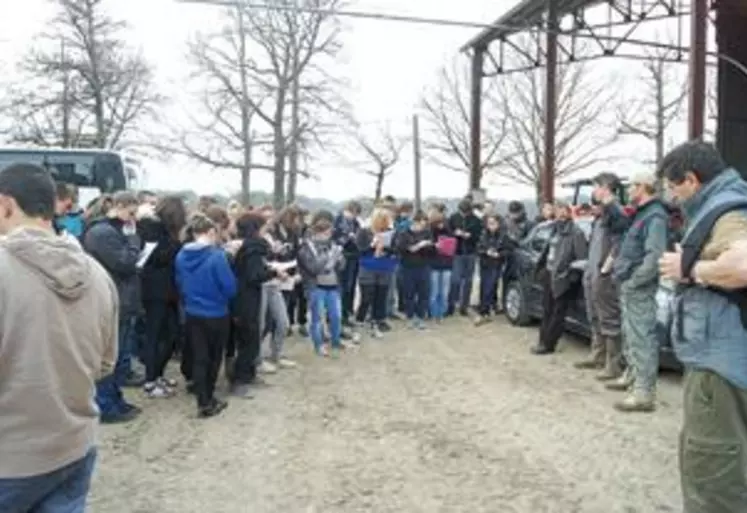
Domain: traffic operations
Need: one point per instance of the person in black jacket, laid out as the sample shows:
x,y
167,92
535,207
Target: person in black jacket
x,y
492,249
416,248
345,234
466,227
252,271
105,240
160,297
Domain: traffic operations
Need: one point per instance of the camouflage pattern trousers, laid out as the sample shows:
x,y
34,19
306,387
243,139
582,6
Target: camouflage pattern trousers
x,y
713,445
640,342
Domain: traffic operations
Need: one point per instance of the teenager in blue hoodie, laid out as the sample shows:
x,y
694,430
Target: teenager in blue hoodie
x,y
207,285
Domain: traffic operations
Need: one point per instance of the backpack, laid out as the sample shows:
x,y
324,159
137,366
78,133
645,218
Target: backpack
x,y
692,246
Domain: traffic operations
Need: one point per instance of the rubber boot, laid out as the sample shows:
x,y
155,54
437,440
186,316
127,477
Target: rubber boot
x,y
596,357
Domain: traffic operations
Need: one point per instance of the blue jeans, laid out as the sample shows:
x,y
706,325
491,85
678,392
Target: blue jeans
x,y
415,281
391,300
323,300
109,389
61,491
462,274
440,285
489,278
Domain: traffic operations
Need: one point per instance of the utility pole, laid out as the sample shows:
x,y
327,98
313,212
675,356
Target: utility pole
x,y
416,161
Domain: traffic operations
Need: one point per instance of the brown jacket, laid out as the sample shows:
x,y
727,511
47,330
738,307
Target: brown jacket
x,y
58,335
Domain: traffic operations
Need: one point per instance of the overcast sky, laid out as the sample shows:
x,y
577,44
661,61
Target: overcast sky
x,y
388,63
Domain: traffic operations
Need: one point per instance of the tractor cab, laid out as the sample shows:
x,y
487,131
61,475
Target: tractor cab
x,y
581,195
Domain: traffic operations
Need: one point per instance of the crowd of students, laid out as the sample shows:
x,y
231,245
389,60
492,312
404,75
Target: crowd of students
x,y
210,286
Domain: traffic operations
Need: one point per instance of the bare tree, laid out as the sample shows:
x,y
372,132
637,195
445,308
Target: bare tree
x,y
447,140
665,91
580,132
382,151
82,84
257,70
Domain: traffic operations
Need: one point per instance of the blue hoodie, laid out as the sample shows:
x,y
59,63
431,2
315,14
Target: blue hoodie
x,y
205,280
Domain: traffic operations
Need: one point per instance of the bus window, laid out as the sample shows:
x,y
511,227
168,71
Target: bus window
x,y
109,173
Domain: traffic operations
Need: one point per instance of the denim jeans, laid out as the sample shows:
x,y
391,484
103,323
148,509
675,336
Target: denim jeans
x,y
391,303
489,278
415,281
462,275
109,389
61,491
321,301
439,297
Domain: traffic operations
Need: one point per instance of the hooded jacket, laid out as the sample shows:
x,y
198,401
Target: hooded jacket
x,y
158,274
250,266
58,312
205,280
106,242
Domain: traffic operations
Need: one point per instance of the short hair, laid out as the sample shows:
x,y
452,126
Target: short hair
x,y
354,207
64,191
389,199
517,207
143,194
125,199
405,207
201,224
700,158
607,180
219,216
31,187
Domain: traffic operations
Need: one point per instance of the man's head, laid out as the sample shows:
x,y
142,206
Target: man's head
x,y
562,211
548,211
516,210
690,166
124,207
65,198
642,187
27,197
147,198
605,185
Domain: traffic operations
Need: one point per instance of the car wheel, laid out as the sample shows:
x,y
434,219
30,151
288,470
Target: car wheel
x,y
514,304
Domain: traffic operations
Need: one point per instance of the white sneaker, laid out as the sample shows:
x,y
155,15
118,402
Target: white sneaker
x,y
155,390
267,368
285,363
376,332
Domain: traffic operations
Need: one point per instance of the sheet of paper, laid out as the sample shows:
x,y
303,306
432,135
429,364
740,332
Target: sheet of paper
x,y
284,266
146,253
387,238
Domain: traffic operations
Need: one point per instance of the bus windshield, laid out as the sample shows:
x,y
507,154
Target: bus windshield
x,y
103,170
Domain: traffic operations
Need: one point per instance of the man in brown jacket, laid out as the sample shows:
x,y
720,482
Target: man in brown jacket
x,y
58,335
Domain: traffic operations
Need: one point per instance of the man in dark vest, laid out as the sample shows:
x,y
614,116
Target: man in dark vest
x,y
708,330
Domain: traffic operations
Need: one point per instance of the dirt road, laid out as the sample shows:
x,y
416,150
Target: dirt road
x,y
461,419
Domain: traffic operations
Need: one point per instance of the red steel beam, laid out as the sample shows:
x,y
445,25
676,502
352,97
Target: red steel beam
x,y
698,52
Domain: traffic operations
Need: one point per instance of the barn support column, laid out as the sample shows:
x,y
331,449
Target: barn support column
x,y
475,167
547,181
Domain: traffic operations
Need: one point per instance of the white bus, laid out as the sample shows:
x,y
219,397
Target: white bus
x,y
87,169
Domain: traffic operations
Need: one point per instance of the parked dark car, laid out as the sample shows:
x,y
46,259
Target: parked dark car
x,y
522,293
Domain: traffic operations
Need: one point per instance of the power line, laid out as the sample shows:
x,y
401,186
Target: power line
x,y
427,21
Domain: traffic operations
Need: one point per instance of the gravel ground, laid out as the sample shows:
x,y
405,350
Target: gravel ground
x,y
458,419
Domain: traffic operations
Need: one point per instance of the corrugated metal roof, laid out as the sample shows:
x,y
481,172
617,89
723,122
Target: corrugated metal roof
x,y
526,14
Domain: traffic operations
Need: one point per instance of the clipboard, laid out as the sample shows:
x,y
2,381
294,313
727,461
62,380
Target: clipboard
x,y
145,254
